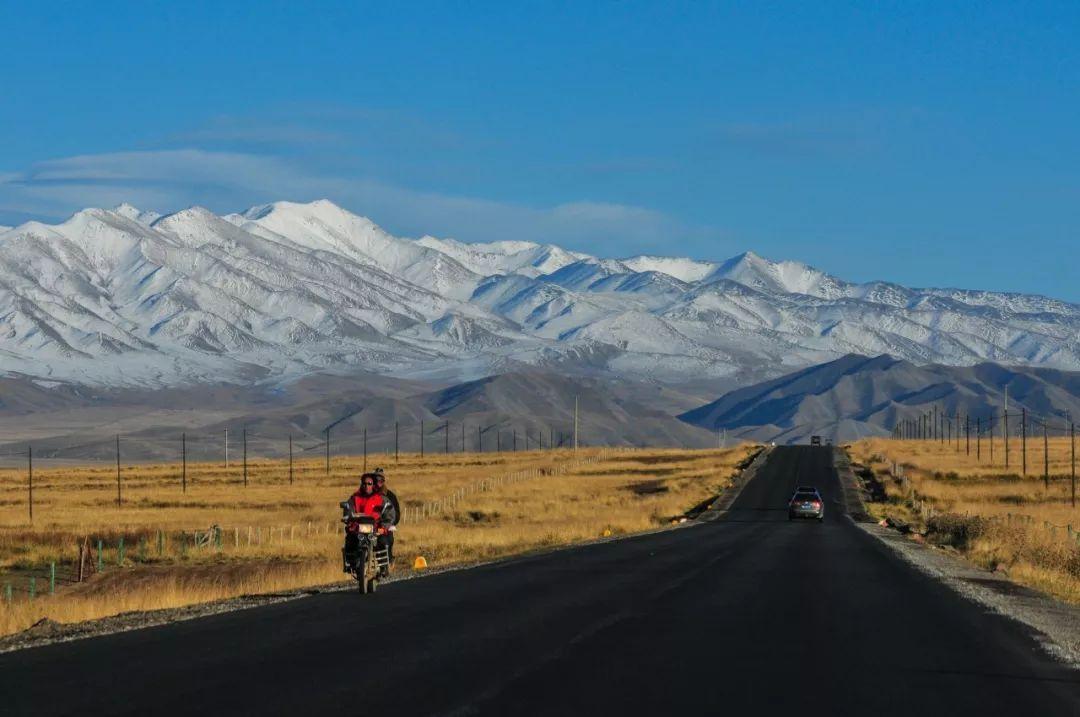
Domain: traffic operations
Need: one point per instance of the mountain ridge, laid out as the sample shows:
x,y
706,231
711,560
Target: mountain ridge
x,y
857,396
130,297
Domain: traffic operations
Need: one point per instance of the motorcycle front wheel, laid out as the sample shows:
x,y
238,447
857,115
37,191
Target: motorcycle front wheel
x,y
361,572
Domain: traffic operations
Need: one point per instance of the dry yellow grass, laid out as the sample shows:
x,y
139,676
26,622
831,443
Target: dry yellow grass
x,y
994,515
278,536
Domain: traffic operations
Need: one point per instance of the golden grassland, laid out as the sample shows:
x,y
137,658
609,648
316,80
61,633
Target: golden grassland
x,y
277,536
995,515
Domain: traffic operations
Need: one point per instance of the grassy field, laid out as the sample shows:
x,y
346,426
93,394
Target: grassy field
x,y
274,535
996,516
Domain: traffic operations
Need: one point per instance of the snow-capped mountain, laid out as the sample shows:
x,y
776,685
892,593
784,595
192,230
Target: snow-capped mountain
x,y
129,297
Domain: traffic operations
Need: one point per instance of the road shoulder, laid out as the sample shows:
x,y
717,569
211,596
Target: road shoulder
x,y
1056,625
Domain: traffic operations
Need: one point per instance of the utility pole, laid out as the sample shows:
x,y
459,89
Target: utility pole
x,y
1005,426
118,497
226,448
1023,437
290,460
1046,458
978,438
421,438
244,440
395,442
183,462
967,435
446,436
1072,474
328,451
30,479
575,422
365,449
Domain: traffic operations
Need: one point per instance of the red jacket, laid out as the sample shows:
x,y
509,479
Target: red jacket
x,y
369,505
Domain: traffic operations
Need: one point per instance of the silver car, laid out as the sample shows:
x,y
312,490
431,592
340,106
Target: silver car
x,y
806,503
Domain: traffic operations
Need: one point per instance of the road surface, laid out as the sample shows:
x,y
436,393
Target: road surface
x,y
747,615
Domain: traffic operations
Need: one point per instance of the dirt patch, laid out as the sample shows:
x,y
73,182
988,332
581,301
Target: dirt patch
x,y
1003,587
144,577
473,518
616,471
647,487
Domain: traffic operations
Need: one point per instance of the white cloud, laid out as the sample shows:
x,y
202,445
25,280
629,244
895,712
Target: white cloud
x,y
166,180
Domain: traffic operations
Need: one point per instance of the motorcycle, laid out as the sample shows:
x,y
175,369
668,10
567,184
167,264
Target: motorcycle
x,y
361,555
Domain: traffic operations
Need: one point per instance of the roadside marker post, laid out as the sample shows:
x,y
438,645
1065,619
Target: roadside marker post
x,y
7,592
120,551
99,547
52,578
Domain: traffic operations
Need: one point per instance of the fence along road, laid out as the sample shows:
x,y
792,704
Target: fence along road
x,y
750,614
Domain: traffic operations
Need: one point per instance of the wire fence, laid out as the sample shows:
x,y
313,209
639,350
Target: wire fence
x,y
98,553
238,450
927,510
999,438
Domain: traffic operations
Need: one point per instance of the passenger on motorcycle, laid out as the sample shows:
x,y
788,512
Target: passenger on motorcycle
x,y
367,500
380,486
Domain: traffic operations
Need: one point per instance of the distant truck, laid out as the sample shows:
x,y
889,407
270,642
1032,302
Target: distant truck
x,y
815,440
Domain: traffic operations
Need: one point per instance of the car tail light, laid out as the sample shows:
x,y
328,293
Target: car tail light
x,y
817,505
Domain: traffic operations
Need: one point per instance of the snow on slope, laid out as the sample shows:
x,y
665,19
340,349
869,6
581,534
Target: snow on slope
x,y
126,296
505,257
688,270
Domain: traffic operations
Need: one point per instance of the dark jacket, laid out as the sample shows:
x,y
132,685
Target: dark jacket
x,y
392,499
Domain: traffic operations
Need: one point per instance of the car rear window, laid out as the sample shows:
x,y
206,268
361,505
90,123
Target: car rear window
x,y
805,496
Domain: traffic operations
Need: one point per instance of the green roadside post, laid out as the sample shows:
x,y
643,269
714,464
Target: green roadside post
x,y
217,537
7,592
160,543
120,551
99,563
33,587
52,578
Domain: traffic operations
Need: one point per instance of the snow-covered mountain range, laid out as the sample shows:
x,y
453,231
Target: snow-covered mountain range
x,y
129,297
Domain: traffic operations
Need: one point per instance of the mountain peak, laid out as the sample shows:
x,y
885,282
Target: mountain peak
x,y
318,207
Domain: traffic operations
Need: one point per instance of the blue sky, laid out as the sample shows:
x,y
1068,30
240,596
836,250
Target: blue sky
x,y
933,144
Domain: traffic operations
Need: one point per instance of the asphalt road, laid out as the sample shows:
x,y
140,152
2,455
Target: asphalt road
x,y
748,615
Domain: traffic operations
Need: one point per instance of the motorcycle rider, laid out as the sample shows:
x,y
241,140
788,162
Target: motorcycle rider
x,y
391,497
367,500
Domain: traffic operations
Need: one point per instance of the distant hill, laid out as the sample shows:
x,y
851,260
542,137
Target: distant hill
x,y
856,396
81,424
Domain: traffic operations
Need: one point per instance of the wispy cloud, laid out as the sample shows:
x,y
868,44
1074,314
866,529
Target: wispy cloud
x,y
166,180
793,139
